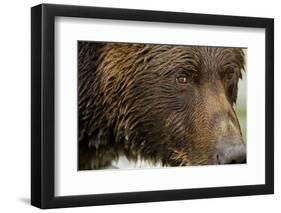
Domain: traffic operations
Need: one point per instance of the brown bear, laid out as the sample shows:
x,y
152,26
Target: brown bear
x,y
162,103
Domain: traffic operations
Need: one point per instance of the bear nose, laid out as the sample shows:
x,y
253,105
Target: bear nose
x,y
231,153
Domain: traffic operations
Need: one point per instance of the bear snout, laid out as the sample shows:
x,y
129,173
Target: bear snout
x,y
233,152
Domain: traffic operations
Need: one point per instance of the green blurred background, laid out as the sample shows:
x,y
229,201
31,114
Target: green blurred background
x,y
241,106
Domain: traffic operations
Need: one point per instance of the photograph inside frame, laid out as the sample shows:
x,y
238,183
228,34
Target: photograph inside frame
x,y
160,105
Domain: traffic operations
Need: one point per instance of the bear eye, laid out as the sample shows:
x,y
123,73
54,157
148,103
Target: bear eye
x,y
229,75
182,79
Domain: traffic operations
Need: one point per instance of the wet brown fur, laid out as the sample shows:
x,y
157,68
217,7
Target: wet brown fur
x,y
131,104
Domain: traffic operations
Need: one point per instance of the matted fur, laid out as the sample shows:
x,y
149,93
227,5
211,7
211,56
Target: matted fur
x,y
131,104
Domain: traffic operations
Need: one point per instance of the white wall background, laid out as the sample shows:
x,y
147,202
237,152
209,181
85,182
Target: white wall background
x,y
15,106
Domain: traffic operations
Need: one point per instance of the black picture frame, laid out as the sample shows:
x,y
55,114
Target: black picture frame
x,y
43,110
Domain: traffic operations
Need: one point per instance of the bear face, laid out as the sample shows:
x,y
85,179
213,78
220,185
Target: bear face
x,y
162,103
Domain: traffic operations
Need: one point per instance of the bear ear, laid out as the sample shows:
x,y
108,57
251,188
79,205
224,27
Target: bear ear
x,y
242,59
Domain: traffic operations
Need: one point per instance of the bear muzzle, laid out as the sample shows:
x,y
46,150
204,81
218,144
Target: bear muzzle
x,y
231,152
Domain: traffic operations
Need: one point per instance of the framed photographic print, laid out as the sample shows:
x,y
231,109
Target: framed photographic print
x,y
139,106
